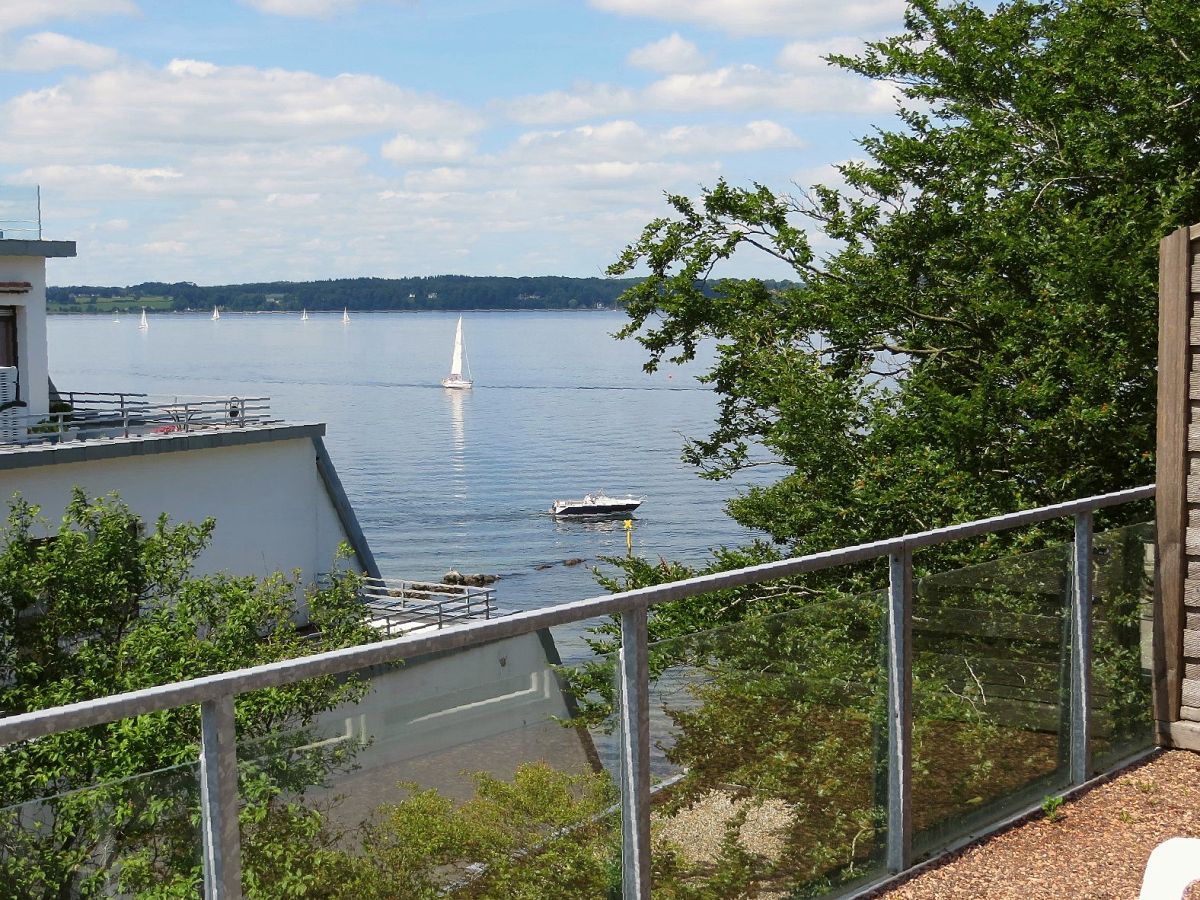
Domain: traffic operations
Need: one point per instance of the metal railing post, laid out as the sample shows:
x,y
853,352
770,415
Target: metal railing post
x,y
1081,649
899,624
635,756
221,837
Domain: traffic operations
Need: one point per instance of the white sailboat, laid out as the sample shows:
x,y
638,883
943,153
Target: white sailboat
x,y
345,316
216,314
304,315
144,324
455,379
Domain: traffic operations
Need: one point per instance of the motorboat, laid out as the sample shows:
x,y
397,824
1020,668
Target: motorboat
x,y
598,504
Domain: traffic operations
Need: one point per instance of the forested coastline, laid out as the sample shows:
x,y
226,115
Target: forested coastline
x,y
437,292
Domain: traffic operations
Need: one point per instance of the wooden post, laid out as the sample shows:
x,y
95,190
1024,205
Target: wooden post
x,y
1172,499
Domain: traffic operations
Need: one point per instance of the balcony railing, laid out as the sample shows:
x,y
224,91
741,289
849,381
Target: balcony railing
x,y
20,213
88,415
1072,568
398,607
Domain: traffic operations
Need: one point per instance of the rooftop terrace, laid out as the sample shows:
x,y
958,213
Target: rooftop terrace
x,y
880,729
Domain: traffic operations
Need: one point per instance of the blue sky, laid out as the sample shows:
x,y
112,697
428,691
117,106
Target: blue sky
x,y
243,140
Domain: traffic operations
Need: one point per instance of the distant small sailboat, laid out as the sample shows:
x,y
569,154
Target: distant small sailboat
x,y
345,315
216,314
304,315
455,379
144,324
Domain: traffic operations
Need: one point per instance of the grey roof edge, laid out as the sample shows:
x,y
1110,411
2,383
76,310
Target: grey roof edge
x,y
44,249
94,449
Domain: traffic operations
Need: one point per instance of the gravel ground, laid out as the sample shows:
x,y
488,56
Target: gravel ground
x,y
1096,849
700,829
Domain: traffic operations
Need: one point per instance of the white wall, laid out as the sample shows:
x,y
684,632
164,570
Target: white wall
x,y
488,708
31,328
272,510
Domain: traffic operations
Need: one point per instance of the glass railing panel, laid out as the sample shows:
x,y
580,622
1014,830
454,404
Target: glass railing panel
x,y
132,837
990,711
20,215
769,754
459,774
1122,633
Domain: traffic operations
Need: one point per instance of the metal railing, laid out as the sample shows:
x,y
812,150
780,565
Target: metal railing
x,y
117,414
397,606
216,693
21,213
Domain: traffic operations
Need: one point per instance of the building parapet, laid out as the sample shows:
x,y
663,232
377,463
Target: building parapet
x,y
84,449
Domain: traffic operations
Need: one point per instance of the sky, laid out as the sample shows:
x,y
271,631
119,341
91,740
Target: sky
x,y
222,141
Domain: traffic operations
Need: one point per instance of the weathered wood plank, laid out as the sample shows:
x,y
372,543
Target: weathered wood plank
x,y
1184,735
1193,438
1192,714
1191,644
1192,542
1191,692
1191,670
1174,307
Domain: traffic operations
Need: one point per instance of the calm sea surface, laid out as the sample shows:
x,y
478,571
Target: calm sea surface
x,y
443,479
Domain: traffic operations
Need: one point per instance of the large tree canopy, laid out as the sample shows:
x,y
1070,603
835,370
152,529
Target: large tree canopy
x,y
982,336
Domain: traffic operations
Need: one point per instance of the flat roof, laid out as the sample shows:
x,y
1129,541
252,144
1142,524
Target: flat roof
x,y
44,249
90,449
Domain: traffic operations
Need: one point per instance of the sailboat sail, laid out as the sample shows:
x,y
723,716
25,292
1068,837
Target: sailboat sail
x,y
345,316
456,360
216,314
144,324
455,378
304,315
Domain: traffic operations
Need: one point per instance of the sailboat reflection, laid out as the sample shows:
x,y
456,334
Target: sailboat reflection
x,y
458,443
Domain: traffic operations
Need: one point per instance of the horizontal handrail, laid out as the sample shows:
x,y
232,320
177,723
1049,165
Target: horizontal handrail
x,y
128,415
209,688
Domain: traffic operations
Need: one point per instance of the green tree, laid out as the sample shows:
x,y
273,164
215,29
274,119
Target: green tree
x,y
106,605
980,338
983,336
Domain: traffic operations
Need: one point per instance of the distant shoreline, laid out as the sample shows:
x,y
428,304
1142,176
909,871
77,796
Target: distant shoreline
x,y
290,313
438,293
457,293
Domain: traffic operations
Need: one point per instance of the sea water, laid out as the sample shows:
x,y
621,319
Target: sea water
x,y
444,479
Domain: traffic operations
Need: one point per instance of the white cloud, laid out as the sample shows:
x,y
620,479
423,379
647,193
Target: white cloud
x,y
47,50
585,101
405,149
806,56
742,88
104,179
624,140
137,110
671,54
16,14
764,17
310,9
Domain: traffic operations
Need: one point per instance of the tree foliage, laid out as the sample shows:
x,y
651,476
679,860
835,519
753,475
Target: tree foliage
x,y
106,605
981,336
